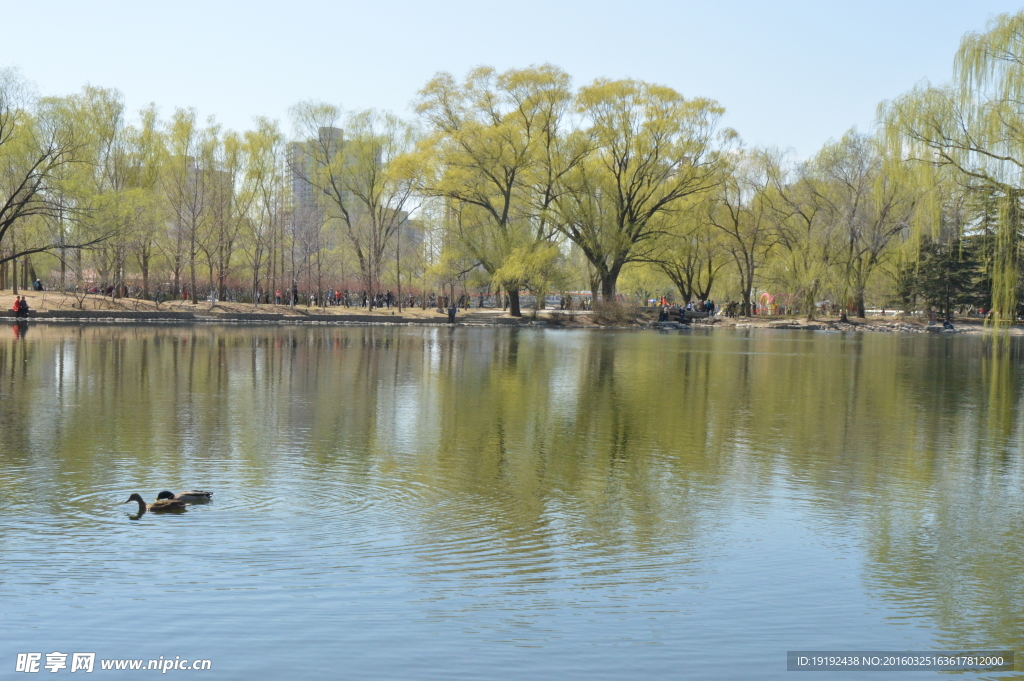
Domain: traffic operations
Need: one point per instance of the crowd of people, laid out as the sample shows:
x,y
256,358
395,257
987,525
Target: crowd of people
x,y
571,303
702,308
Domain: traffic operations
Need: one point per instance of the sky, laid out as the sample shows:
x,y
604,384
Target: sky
x,y
790,74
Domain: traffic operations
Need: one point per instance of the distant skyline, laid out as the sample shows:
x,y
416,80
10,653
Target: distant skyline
x,y
790,74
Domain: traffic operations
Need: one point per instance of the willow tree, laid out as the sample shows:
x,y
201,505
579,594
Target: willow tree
x,y
866,200
974,127
144,156
496,154
693,252
805,239
186,188
741,210
109,195
223,156
39,143
652,149
110,180
361,177
263,193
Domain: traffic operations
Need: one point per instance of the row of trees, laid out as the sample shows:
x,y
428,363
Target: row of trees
x,y
515,182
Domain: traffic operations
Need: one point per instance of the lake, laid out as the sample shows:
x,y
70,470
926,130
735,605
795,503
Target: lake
x,y
475,503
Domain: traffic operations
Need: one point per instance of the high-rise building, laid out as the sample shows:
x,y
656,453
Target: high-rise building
x,y
302,161
308,202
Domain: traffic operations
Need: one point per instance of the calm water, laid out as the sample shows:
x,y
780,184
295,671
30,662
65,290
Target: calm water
x,y
475,504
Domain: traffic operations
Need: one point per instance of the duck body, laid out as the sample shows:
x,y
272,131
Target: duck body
x,y
192,496
158,506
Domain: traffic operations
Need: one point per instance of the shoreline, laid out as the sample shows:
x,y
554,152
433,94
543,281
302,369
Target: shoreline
x,y
55,308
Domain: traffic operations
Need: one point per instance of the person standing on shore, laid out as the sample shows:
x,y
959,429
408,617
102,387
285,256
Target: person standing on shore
x,y
451,312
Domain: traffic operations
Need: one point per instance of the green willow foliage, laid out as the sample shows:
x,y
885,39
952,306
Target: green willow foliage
x,y
519,181
969,133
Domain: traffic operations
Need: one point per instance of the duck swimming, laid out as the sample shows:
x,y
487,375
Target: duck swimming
x,y
192,496
158,506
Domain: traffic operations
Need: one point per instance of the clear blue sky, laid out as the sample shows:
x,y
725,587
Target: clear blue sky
x,y
790,73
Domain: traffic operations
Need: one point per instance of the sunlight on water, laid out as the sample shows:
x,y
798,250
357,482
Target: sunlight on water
x,y
437,504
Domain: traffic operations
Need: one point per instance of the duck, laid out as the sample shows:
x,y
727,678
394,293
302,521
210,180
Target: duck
x,y
192,496
158,506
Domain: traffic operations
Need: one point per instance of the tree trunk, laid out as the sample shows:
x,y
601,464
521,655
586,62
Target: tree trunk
x,y
607,289
809,301
513,303
608,282
703,293
747,283
256,283
222,271
144,266
192,265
